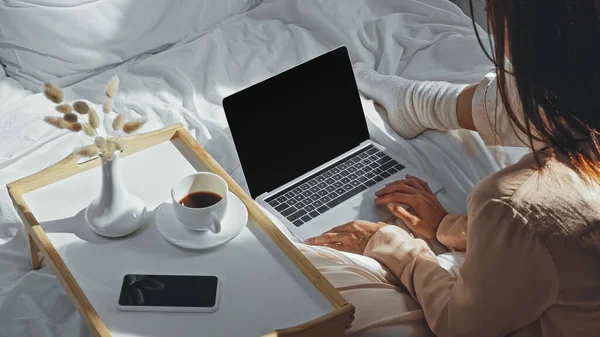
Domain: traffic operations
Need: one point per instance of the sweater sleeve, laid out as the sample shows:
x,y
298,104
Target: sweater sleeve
x,y
491,119
452,231
507,280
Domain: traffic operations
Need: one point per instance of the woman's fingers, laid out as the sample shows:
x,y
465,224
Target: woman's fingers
x,y
410,182
415,182
347,227
340,241
398,198
421,182
401,187
409,219
328,238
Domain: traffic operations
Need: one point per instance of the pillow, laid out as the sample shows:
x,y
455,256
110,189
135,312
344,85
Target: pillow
x,y
66,41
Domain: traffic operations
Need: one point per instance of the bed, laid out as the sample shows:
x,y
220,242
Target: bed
x,y
185,78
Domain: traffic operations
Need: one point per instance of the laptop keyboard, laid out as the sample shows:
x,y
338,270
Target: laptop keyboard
x,y
332,186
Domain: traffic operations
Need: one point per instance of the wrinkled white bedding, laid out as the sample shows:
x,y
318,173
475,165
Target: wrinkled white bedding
x,y
425,39
66,41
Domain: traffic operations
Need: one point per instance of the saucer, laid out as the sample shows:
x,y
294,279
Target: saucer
x,y
176,233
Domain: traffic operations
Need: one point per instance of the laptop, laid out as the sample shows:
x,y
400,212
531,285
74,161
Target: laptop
x,y
305,150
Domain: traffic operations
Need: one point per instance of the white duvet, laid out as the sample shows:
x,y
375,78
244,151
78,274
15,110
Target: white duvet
x,y
426,39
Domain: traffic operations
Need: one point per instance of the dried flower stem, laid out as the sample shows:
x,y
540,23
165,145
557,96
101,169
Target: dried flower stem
x,y
101,143
86,126
119,144
111,146
108,156
73,119
88,130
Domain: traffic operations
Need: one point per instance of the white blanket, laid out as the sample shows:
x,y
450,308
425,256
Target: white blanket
x,y
419,39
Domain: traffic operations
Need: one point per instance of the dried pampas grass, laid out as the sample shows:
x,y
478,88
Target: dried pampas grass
x,y
112,87
107,106
133,126
87,129
70,117
87,151
118,122
64,108
111,146
75,127
108,155
119,145
57,122
81,107
53,93
72,121
101,143
93,119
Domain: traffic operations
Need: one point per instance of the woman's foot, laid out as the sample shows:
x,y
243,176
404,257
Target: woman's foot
x,y
412,106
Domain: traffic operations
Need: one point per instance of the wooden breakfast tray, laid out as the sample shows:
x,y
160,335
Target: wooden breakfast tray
x,y
269,287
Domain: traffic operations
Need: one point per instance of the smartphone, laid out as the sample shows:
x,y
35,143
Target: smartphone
x,y
176,293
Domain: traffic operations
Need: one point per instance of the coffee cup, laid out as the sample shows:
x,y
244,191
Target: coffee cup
x,y
200,201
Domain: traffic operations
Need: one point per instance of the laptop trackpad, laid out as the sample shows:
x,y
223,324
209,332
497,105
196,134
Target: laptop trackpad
x,y
359,207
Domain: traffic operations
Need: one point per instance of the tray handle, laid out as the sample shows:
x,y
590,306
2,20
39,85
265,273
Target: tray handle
x,y
71,164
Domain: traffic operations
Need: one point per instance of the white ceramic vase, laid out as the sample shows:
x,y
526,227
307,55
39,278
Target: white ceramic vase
x,y
115,212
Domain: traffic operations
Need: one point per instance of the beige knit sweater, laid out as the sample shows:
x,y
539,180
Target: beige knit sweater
x,y
532,240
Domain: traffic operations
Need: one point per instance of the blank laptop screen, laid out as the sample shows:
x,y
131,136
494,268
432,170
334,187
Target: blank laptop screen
x,y
296,121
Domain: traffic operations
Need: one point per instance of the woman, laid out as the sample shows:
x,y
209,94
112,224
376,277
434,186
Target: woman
x,y
532,230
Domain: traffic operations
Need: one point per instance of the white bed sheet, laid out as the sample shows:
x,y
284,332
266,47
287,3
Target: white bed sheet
x,y
424,39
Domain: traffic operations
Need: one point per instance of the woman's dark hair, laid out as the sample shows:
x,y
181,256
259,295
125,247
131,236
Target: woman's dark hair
x,y
554,51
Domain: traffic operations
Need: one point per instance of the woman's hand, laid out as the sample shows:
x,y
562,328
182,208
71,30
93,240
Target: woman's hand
x,y
351,237
427,212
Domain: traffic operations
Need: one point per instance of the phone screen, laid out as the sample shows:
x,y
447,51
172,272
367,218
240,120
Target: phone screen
x,y
169,291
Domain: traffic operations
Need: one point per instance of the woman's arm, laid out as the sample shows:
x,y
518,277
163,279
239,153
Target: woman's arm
x,y
464,108
507,281
431,220
452,231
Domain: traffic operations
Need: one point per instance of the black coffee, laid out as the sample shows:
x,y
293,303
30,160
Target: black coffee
x,y
200,199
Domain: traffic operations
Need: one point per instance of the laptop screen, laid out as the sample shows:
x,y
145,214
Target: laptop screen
x,y
296,121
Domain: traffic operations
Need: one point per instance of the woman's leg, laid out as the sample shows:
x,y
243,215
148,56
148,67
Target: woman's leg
x,y
383,307
415,106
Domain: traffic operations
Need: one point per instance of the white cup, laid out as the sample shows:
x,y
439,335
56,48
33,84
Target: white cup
x,y
206,218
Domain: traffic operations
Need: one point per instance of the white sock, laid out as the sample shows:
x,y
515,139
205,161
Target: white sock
x,y
412,106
